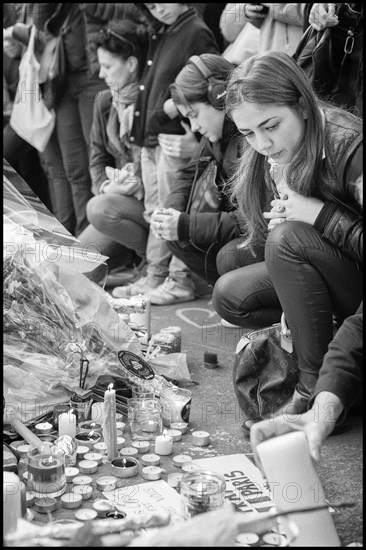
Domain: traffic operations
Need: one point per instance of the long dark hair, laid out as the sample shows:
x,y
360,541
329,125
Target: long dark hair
x,y
275,78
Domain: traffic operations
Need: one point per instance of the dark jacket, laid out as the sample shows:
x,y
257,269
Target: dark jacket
x,y
340,220
105,151
209,227
168,52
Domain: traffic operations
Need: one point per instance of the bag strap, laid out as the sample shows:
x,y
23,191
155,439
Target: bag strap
x,y
32,40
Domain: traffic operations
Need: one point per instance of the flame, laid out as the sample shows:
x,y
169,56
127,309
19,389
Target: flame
x,y
71,411
165,433
110,387
124,462
50,459
90,434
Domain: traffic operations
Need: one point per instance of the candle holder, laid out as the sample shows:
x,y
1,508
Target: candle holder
x,y
89,426
57,410
81,409
125,467
115,515
89,439
201,491
46,472
176,405
144,417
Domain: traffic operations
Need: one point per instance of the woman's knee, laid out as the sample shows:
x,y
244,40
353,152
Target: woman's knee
x,y
286,238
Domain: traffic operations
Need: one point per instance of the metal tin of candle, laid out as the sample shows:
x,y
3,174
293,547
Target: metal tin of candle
x,y
175,404
202,439
151,473
176,332
81,451
125,467
29,498
85,491
89,426
71,500
176,435
100,448
44,428
45,504
188,468
180,460
94,456
87,439
82,480
86,514
141,446
46,472
200,492
70,473
120,442
115,515
88,466
106,483
174,480
120,425
181,426
128,451
150,459
102,507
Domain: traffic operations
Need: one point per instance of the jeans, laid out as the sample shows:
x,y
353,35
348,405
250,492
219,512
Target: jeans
x,y
314,281
159,172
74,117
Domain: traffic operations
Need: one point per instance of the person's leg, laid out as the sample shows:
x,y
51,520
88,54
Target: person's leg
x,y
201,261
313,280
245,297
233,255
58,184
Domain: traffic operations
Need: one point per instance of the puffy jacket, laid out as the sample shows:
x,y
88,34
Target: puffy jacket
x,y
209,227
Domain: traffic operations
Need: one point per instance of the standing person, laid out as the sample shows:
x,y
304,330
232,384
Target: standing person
x,y
177,34
308,155
115,213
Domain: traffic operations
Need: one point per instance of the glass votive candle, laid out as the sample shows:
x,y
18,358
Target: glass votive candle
x,y
144,417
139,392
87,439
57,410
90,425
81,409
46,472
176,405
200,492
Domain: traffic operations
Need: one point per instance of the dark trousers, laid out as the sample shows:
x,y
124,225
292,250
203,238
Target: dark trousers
x,y
303,275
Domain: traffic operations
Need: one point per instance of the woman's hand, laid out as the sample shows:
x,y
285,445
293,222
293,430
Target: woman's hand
x,y
292,206
164,223
322,16
254,13
178,146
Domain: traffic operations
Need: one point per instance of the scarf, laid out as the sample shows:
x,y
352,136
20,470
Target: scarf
x,y
124,103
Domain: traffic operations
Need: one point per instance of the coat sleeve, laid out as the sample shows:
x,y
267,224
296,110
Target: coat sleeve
x,y
108,11
99,156
291,14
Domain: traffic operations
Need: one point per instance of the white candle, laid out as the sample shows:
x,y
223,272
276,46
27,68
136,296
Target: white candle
x,y
85,491
82,480
128,451
12,502
201,438
109,422
88,466
71,500
181,426
97,412
67,424
151,473
70,473
150,459
94,456
44,428
141,446
120,442
176,435
106,483
81,451
290,471
174,480
163,444
180,460
86,514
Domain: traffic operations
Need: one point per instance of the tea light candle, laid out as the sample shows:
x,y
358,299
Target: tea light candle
x,y
88,466
119,433
247,538
120,426
181,426
115,515
87,439
125,467
180,460
102,506
100,448
70,473
150,459
90,426
128,451
201,438
119,417
120,442
86,514
44,428
163,444
176,435
141,446
174,480
97,412
71,500
45,505
96,457
82,480
109,422
189,467
23,450
151,473
81,451
67,424
106,483
85,491
46,475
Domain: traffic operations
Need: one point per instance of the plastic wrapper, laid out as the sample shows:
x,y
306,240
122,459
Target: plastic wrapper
x,y
172,366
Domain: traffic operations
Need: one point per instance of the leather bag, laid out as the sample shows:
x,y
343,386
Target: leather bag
x,y
30,118
265,371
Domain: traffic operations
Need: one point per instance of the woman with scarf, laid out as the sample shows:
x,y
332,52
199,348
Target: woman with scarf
x,y
115,212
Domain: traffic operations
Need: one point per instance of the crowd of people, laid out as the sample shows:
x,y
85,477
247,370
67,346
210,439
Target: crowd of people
x,y
209,165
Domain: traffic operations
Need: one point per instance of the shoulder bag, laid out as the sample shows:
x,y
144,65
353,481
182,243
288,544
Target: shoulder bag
x,y
30,118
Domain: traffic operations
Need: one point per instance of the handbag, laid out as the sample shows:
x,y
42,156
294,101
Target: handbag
x,y
204,195
30,118
265,370
332,58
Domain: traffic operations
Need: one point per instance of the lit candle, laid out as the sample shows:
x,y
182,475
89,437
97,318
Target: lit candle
x,y
109,422
90,426
115,515
87,439
67,424
163,444
12,503
46,473
125,467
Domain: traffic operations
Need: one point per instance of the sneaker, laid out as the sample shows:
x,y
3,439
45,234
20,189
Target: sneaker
x,y
142,286
171,292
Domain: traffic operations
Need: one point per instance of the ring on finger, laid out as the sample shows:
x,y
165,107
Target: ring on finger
x,y
160,226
